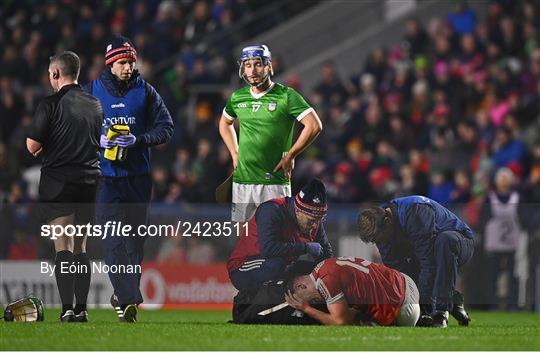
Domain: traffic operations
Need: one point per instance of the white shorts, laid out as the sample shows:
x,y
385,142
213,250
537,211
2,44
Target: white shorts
x,y
409,313
247,197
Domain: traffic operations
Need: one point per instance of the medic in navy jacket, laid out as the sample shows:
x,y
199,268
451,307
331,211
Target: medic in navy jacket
x,y
125,186
137,104
423,239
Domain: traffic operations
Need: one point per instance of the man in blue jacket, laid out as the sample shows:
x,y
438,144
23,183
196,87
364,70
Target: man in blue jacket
x,y
125,186
423,239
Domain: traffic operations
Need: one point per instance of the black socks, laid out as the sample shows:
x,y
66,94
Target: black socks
x,y
82,281
68,283
64,279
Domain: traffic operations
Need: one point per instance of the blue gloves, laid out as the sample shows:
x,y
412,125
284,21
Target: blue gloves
x,y
104,142
126,140
315,249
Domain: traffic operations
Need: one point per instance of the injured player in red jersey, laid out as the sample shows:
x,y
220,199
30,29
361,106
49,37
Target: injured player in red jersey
x,y
352,288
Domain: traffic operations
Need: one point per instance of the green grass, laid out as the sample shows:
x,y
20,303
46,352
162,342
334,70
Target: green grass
x,y
208,330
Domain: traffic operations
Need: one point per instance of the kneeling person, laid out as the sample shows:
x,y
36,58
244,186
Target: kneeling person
x,y
353,287
281,230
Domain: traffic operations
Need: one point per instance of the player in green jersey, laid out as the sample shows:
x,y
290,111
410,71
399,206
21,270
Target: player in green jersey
x,y
263,158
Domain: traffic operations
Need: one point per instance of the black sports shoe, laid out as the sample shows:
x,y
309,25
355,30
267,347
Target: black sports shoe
x,y
425,320
130,313
81,317
117,308
458,312
440,319
67,316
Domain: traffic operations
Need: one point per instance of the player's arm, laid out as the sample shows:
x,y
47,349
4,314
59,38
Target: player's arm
x,y
338,312
228,134
312,128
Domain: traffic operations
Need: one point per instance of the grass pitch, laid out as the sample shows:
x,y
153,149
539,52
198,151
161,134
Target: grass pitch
x,y
209,330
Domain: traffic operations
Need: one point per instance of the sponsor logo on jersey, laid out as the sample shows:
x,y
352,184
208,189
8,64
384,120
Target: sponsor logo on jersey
x,y
119,105
272,106
120,120
242,105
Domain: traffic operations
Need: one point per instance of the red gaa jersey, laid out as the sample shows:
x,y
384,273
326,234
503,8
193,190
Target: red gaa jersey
x,y
375,290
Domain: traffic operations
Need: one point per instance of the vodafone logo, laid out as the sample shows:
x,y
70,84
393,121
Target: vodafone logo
x,y
153,289
162,286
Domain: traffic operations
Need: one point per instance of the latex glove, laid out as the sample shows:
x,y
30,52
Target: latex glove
x,y
126,140
315,249
104,142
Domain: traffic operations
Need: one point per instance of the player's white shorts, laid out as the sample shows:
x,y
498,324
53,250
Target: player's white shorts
x,y
246,198
409,313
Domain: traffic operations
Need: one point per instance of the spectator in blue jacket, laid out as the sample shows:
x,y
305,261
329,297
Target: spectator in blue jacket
x,y
423,239
463,19
125,186
508,151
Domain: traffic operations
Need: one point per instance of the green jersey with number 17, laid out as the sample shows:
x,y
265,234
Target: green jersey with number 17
x,y
266,131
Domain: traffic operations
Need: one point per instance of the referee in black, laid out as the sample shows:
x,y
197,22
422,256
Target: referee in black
x,y
65,133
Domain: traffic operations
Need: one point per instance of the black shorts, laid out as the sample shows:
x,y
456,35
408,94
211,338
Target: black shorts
x,y
62,198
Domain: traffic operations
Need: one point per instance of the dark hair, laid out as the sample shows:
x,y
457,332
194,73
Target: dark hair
x,y
371,223
68,62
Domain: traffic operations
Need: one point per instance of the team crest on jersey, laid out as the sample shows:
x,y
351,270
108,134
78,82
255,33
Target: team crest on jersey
x,y
272,106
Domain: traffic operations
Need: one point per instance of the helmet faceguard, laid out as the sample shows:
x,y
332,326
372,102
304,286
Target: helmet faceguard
x,y
260,52
26,309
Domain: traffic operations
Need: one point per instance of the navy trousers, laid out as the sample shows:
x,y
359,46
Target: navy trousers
x,y
255,271
452,250
124,200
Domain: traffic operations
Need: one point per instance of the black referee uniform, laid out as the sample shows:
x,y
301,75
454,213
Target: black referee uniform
x,y
67,124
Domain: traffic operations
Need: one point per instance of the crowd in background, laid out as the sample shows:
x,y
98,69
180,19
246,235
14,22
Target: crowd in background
x,y
438,114
180,44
